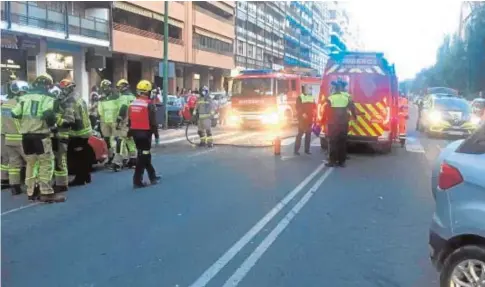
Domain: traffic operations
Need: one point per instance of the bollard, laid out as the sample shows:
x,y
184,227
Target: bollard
x,y
277,146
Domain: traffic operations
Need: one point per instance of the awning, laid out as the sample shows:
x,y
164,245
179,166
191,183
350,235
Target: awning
x,y
146,13
212,35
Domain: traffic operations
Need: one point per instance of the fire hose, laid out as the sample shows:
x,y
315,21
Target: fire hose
x,y
189,123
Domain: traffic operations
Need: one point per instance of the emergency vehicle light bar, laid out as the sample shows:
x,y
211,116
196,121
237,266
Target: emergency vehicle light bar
x,y
257,72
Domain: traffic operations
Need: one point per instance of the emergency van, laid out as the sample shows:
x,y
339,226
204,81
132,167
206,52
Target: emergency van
x,y
267,97
373,86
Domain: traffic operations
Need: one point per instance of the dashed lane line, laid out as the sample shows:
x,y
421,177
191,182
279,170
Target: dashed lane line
x,y
215,268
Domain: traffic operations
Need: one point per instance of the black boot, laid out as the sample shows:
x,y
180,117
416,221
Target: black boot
x,y
60,188
330,164
137,185
52,198
155,180
202,144
16,189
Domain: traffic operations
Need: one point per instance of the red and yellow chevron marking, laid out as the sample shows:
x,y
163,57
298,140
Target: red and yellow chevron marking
x,y
370,124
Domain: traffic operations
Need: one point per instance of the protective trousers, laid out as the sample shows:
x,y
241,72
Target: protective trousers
x,y
108,131
143,142
16,164
80,152
59,147
338,147
38,151
402,127
4,165
303,129
205,131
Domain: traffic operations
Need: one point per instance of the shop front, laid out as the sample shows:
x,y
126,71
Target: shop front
x,y
59,66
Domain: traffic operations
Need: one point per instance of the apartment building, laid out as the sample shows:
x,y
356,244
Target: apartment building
x,y
259,34
200,47
65,39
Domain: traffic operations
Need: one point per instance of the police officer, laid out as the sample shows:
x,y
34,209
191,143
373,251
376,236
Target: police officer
x,y
125,146
108,109
305,108
337,118
64,109
13,139
142,125
78,141
204,112
37,118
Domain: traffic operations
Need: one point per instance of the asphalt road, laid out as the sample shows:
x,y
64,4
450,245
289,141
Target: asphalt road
x,y
232,216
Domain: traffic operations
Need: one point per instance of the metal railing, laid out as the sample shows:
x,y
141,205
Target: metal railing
x,y
143,33
293,32
24,13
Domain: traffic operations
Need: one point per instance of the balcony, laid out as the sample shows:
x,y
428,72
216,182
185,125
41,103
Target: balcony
x,y
293,33
24,14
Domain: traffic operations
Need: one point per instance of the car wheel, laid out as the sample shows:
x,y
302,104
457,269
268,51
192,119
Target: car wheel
x,y
464,267
324,143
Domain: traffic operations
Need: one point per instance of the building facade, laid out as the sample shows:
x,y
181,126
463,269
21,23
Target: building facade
x,y
65,39
259,34
200,43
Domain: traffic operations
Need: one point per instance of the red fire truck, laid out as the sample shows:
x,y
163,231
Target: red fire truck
x,y
373,85
267,97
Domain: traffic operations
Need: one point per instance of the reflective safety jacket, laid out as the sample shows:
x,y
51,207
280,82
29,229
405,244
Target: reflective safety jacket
x,y
126,99
10,125
82,125
403,106
305,105
204,108
337,112
64,109
35,112
108,108
142,115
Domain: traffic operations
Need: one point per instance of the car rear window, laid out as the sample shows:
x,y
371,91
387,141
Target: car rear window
x,y
452,104
475,144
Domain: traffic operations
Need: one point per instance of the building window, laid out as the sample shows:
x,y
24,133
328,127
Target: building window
x,y
240,48
250,51
213,45
259,53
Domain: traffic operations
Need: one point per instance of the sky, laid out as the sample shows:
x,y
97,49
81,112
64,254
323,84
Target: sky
x,y
408,32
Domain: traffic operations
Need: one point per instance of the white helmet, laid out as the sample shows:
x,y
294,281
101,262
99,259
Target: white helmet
x,y
55,91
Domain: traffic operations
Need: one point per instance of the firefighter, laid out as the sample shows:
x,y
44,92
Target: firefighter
x,y
125,146
79,135
64,109
13,139
403,116
4,158
142,126
338,106
37,120
108,108
204,112
305,108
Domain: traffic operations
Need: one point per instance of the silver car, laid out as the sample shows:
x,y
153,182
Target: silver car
x,y
457,233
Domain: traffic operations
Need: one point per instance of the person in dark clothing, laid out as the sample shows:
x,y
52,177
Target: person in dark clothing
x,y
337,110
142,125
420,109
305,108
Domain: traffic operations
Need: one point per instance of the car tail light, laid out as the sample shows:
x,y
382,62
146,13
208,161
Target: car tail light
x,y
449,176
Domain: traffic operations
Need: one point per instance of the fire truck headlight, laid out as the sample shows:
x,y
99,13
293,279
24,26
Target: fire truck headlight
x,y
435,117
270,118
475,120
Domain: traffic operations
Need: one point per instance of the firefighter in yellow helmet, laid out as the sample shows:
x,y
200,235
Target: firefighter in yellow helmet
x,y
108,109
143,125
125,146
204,112
37,120
4,166
12,151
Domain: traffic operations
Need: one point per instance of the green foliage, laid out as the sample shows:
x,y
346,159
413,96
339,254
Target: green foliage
x,y
460,64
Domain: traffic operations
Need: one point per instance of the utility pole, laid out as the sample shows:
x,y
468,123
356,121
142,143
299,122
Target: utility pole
x,y
165,64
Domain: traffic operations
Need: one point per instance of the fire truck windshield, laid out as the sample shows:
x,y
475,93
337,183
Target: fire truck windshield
x,y
252,87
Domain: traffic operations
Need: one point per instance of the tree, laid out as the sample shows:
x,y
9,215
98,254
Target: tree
x,y
460,64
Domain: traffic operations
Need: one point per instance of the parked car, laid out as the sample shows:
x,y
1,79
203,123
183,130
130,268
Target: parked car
x,y
457,232
174,110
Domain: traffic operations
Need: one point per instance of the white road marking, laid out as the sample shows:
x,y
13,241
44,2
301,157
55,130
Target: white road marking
x,y
215,268
414,145
249,263
19,208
